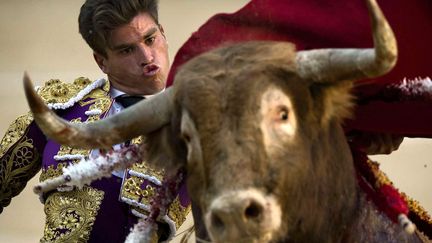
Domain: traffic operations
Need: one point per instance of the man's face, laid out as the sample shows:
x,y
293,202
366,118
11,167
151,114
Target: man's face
x,y
137,60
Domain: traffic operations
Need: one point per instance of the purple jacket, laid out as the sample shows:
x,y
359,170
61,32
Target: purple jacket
x,y
106,210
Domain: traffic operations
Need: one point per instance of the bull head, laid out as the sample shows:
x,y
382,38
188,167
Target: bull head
x,y
254,124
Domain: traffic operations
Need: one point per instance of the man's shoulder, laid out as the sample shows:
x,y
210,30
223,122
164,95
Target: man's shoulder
x,y
59,95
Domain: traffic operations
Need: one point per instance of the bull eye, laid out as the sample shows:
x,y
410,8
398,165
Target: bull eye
x,y
283,115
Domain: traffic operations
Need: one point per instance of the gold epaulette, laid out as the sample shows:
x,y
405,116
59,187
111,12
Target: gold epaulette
x,y
61,95
57,93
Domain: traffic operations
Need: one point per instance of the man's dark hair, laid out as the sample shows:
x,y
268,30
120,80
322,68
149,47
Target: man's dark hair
x,y
98,18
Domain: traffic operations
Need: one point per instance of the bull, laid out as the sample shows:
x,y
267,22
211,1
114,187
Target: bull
x,y
257,126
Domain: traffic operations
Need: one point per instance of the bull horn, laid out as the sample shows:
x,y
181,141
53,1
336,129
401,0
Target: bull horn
x,y
352,64
140,119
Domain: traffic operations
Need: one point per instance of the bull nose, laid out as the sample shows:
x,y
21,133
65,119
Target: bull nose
x,y
246,210
240,215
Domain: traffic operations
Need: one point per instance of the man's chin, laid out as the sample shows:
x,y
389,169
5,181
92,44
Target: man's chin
x,y
156,85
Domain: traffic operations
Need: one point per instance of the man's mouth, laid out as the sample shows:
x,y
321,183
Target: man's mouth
x,y
151,69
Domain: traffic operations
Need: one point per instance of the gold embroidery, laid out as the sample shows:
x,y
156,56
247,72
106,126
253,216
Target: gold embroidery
x,y
22,156
148,192
71,215
177,212
51,172
66,150
133,191
92,119
101,104
56,91
96,94
132,188
16,168
144,168
82,82
99,100
15,131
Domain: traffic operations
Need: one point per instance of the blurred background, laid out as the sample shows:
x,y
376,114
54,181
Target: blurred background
x,y
41,37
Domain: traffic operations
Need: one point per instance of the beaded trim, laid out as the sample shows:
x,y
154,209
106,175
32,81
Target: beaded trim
x,y
94,112
79,96
147,177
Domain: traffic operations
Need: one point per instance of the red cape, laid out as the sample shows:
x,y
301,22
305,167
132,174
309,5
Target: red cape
x,y
338,24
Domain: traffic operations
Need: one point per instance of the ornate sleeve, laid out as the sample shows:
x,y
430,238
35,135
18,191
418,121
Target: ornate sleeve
x,y
20,157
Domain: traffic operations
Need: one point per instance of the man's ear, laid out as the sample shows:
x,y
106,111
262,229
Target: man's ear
x,y
101,62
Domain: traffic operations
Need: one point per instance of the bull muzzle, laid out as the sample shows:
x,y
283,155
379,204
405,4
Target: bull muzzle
x,y
243,216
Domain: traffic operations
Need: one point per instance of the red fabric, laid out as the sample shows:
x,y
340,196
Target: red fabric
x,y
393,199
333,24
386,198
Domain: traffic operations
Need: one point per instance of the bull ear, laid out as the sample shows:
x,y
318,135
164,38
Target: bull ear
x,y
327,65
166,154
191,137
161,151
335,99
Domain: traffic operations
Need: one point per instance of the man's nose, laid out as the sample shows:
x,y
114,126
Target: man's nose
x,y
145,55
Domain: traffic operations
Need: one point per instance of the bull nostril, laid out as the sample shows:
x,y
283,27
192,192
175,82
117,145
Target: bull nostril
x,y
253,211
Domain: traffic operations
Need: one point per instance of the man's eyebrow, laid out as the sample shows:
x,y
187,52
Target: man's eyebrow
x,y
121,46
149,33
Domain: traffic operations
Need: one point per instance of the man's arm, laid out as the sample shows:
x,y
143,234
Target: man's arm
x,y
20,157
